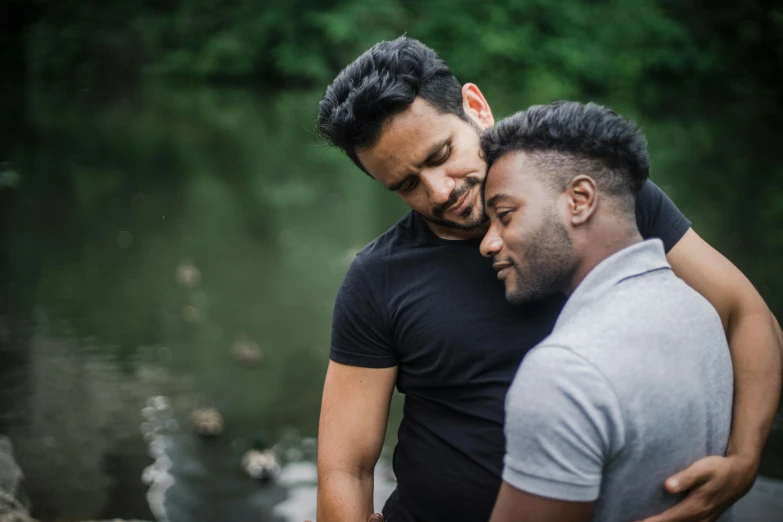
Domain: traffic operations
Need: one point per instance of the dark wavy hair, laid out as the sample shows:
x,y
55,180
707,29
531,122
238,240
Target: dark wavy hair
x,y
380,84
571,138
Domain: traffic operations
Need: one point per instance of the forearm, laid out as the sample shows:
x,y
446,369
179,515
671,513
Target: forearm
x,y
344,496
756,355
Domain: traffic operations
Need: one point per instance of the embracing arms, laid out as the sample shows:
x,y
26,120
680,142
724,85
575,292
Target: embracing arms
x,y
755,341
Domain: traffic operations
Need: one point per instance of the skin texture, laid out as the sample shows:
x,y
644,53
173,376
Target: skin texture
x,y
584,227
539,256
514,505
354,414
755,340
433,162
543,241
713,484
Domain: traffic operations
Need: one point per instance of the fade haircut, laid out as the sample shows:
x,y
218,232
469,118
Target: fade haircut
x,y
380,84
566,139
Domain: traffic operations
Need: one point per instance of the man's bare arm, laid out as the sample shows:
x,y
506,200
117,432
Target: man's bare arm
x,y
752,332
354,414
514,505
755,341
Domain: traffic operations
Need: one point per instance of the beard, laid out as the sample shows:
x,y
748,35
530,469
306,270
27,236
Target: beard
x,y
471,221
549,263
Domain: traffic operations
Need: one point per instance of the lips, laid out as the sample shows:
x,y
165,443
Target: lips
x,y
502,268
461,204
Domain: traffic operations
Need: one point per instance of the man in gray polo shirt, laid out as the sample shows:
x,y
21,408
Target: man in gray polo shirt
x,y
635,382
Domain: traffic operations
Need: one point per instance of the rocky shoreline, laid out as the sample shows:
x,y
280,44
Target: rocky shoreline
x,y
14,506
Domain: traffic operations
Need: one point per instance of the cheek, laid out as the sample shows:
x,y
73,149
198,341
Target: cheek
x,y
468,160
416,200
517,239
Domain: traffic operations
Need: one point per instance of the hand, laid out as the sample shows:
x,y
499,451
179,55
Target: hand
x,y
375,517
712,484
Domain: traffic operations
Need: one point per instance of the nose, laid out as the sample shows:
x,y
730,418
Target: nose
x,y
439,186
491,244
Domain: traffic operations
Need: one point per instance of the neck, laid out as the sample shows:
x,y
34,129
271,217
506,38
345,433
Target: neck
x,y
602,243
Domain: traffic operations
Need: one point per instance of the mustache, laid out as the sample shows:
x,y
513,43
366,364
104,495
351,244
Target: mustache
x,y
457,193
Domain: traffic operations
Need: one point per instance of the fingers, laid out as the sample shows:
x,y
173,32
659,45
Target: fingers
x,y
375,517
697,473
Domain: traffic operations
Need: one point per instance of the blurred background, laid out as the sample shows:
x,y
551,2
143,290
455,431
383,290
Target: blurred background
x,y
172,235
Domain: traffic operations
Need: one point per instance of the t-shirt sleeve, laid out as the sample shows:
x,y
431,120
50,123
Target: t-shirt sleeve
x,y
360,332
658,216
563,423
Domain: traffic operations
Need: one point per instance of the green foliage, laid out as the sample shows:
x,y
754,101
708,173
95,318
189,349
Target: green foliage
x,y
703,76
553,48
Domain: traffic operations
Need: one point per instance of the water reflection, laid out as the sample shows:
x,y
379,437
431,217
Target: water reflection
x,y
178,244
197,480
170,251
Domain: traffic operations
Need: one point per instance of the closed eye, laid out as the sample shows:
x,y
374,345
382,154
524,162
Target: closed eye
x,y
408,185
442,156
504,216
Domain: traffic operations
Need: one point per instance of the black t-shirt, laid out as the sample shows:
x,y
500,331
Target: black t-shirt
x,y
436,308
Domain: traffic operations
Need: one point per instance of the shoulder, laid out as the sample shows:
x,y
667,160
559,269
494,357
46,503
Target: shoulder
x,y
657,216
563,423
554,366
397,238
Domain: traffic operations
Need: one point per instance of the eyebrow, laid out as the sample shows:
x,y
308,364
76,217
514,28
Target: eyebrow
x,y
493,201
434,150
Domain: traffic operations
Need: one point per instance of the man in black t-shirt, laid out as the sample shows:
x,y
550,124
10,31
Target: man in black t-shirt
x,y
421,309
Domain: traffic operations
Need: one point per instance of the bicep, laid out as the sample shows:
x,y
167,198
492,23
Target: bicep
x,y
354,413
712,275
514,505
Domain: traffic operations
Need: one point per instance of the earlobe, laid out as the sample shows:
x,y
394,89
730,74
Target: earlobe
x,y
582,197
475,106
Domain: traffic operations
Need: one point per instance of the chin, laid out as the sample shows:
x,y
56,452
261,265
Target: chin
x,y
517,294
472,218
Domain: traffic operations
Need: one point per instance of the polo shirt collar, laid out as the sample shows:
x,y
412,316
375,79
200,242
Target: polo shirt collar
x,y
640,258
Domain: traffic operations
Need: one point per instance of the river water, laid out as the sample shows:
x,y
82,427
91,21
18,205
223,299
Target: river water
x,y
172,249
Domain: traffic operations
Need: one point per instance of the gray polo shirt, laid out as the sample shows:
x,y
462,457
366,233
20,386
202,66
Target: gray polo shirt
x,y
633,385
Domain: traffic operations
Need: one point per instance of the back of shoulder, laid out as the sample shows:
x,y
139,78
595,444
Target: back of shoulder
x,y
666,295
393,241
638,311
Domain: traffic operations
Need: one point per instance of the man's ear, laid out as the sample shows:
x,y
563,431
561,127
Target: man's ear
x,y
582,195
476,107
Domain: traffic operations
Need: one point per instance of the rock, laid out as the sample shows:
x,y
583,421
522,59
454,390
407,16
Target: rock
x,y
187,274
11,475
246,351
260,465
207,422
12,509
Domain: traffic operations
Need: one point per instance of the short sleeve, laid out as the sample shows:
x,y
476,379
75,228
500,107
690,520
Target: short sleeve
x,y
563,423
658,216
360,332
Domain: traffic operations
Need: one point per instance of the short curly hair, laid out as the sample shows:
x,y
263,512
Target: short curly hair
x,y
380,84
570,138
